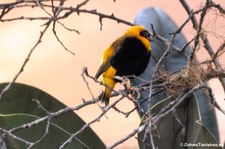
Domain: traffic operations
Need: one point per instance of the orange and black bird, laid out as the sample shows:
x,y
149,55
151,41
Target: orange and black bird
x,y
127,55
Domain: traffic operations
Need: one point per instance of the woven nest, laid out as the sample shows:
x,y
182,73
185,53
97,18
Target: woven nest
x,y
184,80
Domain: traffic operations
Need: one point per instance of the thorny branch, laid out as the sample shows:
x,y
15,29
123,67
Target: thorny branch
x,y
207,45
55,12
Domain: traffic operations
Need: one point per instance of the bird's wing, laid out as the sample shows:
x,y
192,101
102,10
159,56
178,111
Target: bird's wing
x,y
102,68
107,56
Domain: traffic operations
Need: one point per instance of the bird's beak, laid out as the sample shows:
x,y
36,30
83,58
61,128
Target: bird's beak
x,y
150,38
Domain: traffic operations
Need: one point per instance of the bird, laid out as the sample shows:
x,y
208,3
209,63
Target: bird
x,y
128,55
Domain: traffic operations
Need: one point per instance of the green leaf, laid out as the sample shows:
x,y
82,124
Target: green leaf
x,y
35,133
17,108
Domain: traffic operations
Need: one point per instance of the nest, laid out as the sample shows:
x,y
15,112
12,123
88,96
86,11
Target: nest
x,y
184,80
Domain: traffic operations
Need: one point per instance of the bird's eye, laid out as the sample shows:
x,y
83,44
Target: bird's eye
x,y
145,34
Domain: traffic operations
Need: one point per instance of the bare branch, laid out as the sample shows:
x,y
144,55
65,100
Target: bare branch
x,y
204,38
134,132
105,110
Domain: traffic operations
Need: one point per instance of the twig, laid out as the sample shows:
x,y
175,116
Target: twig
x,y
219,51
46,127
173,104
56,13
213,100
94,12
134,132
85,72
188,10
204,38
105,110
58,39
69,29
2,141
53,115
199,29
169,48
163,40
8,133
218,6
191,14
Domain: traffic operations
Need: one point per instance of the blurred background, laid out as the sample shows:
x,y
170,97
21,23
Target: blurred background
x,y
58,72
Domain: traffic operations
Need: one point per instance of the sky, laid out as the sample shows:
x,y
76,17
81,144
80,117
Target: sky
x,y
56,71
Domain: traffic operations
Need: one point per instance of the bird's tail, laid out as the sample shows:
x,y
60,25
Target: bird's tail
x,y
104,98
110,83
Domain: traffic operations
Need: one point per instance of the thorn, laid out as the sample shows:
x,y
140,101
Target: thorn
x,y
83,100
85,71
